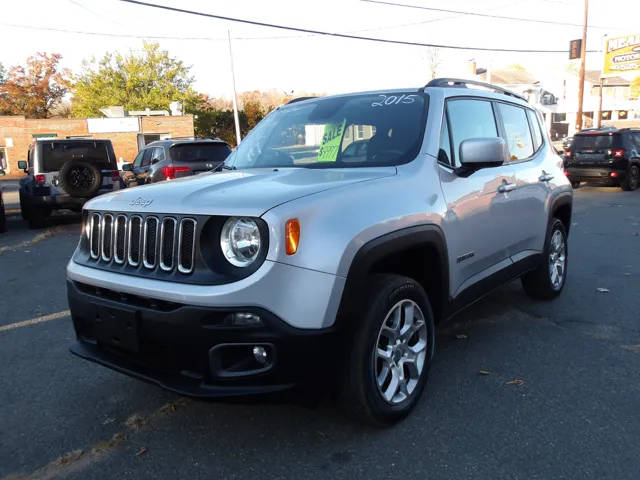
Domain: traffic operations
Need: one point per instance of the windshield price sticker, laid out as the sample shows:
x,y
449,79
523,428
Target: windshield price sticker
x,y
386,100
331,140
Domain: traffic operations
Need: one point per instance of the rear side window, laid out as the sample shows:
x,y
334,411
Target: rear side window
x,y
535,128
157,154
200,152
516,127
470,119
56,154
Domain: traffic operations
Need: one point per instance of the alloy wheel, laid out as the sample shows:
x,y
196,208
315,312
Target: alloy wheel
x,y
557,259
401,351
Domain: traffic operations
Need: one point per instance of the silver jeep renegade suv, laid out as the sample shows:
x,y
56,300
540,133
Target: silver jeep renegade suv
x,y
332,241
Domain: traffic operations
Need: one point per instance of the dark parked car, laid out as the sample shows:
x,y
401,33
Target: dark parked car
x,y
607,156
175,158
3,217
63,174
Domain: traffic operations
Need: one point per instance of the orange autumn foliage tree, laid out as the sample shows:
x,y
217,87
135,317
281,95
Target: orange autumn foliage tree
x,y
34,90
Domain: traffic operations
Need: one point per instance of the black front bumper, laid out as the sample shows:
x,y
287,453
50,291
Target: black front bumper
x,y
192,350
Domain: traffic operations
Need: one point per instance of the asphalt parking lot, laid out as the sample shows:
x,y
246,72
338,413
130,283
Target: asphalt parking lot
x,y
519,389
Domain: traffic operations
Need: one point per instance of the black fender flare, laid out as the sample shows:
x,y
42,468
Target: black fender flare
x,y
561,200
430,236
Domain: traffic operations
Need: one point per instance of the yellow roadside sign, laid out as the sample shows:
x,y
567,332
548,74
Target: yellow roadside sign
x,y
331,139
621,55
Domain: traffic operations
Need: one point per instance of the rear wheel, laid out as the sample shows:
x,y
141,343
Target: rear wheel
x,y
37,217
547,281
392,351
632,179
3,218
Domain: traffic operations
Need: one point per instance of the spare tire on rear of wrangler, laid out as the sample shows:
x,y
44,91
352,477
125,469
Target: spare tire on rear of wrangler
x,y
79,178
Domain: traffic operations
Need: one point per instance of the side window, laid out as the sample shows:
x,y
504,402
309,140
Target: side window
x,y
146,159
444,152
470,119
636,139
517,131
157,154
535,128
137,162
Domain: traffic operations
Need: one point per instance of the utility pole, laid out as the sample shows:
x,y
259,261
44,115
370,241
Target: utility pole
x,y
583,52
235,97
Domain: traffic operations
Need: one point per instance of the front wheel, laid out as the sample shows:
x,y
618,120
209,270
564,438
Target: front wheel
x,y
392,351
632,178
546,282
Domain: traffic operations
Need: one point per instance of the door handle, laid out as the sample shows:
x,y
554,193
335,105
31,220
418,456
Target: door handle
x,y
506,187
545,177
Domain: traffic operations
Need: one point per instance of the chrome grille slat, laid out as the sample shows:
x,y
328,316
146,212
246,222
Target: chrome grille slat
x,y
133,240
150,242
106,237
119,238
94,235
186,245
143,241
167,243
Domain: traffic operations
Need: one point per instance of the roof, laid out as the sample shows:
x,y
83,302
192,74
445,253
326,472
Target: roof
x,y
182,140
593,77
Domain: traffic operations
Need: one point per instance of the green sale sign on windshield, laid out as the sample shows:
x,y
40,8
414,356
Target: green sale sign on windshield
x,y
331,140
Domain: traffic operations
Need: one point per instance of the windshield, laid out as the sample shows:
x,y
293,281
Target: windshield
x,y
56,154
592,142
200,152
364,130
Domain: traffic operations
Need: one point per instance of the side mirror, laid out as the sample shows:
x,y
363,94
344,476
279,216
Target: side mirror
x,y
478,153
2,173
127,167
22,165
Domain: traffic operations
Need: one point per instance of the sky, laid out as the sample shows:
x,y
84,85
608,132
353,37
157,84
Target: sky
x,y
267,58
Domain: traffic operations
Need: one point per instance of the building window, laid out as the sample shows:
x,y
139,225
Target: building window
x,y
622,115
4,160
605,115
558,117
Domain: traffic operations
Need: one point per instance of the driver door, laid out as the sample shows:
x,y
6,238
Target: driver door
x,y
479,215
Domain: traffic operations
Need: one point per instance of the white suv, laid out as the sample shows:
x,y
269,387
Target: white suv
x,y
298,264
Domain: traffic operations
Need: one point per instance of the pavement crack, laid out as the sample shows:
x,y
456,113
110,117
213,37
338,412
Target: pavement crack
x,y
76,460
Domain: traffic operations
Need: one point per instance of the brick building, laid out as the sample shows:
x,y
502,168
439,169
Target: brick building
x,y
128,134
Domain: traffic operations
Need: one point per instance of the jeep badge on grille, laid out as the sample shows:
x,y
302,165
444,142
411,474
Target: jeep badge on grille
x,y
140,202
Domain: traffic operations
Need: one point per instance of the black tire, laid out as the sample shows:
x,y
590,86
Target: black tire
x,y
538,283
79,178
24,211
632,179
3,218
361,394
37,217
575,184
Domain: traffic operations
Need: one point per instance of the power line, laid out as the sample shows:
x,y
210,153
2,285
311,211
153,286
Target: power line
x,y
339,35
487,15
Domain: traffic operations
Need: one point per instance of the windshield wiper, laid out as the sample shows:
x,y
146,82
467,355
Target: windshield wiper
x,y
223,166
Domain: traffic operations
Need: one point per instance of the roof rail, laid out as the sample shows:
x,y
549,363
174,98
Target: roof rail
x,y
188,137
299,99
462,83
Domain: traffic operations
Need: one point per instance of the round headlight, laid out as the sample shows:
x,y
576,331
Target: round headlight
x,y
240,241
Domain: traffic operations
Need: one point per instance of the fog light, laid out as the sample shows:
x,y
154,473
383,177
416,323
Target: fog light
x,y
261,355
245,319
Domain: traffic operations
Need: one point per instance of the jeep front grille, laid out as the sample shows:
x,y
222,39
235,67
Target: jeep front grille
x,y
151,242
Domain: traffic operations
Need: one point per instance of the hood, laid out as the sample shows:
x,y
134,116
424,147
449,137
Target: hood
x,y
249,192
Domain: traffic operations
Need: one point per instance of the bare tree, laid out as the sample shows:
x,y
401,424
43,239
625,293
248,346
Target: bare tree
x,y
434,61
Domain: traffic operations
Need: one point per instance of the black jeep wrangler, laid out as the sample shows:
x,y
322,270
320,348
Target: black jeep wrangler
x,y
64,174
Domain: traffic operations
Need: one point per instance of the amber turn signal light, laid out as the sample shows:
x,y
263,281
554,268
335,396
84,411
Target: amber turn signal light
x,y
292,236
